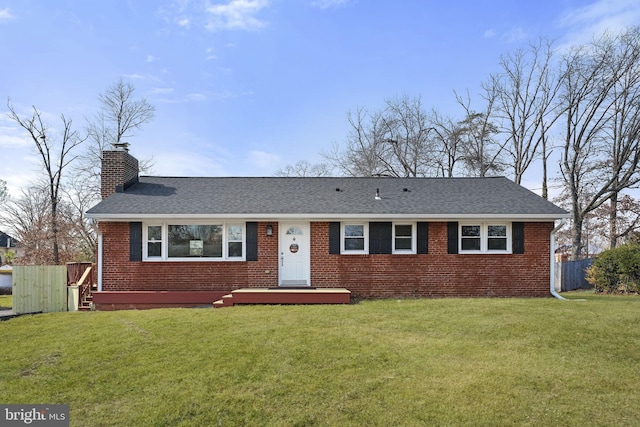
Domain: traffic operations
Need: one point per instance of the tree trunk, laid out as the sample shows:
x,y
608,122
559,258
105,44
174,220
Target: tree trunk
x,y
545,189
576,239
54,231
613,221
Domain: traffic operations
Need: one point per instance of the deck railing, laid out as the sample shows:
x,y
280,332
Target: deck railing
x,y
80,274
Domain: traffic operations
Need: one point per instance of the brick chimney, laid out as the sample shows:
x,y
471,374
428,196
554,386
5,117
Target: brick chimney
x,y
119,170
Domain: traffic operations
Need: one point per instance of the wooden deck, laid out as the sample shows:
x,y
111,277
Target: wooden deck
x,y
284,295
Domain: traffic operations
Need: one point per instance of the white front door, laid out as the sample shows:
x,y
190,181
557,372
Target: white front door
x,y
294,254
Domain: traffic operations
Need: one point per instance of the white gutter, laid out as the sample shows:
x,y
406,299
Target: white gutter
x,y
552,280
320,217
99,262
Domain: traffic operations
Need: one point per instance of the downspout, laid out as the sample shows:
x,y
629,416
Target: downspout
x,y
99,262
552,279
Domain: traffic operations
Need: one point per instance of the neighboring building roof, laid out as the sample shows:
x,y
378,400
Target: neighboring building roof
x,y
7,241
328,198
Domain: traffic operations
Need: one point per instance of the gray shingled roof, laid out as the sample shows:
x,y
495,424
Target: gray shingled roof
x,y
325,198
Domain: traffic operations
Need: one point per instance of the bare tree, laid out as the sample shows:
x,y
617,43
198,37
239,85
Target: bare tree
x,y
55,157
482,153
28,218
596,164
124,112
447,143
121,114
85,230
623,131
391,142
627,217
407,151
3,190
526,104
305,169
360,156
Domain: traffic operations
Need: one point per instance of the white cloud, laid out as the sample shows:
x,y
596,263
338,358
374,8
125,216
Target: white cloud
x,y
196,97
235,15
161,90
515,34
602,15
134,76
328,4
263,160
183,163
11,137
490,33
151,58
5,15
184,22
21,164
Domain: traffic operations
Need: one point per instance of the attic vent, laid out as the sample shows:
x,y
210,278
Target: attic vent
x,y
406,190
338,189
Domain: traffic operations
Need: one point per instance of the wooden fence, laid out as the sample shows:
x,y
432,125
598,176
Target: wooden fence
x,y
571,275
39,288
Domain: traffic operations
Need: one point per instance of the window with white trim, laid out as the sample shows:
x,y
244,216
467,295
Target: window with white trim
x,y
354,238
497,237
404,238
485,238
154,241
235,241
193,241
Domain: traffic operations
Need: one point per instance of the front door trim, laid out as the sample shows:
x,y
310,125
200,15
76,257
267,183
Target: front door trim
x,y
294,250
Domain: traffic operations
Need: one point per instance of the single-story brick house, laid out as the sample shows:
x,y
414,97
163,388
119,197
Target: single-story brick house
x,y
176,241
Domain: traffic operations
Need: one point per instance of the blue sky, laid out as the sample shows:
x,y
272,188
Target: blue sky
x,y
246,87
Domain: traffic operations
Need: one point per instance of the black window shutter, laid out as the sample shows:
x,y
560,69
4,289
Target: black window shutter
x,y
423,238
252,241
452,238
517,237
380,237
135,241
334,238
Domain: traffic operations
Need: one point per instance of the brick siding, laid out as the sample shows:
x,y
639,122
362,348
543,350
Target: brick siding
x,y
120,274
436,274
119,168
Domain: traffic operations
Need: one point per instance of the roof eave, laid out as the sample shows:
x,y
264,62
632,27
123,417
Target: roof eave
x,y
325,217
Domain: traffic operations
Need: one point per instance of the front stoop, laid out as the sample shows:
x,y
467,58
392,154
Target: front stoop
x,y
284,296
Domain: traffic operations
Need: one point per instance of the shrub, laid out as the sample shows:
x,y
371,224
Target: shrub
x,y
616,271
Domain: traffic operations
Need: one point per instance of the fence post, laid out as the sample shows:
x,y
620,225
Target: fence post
x,y
73,294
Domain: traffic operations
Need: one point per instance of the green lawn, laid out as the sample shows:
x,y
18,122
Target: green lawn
x,y
480,362
6,301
